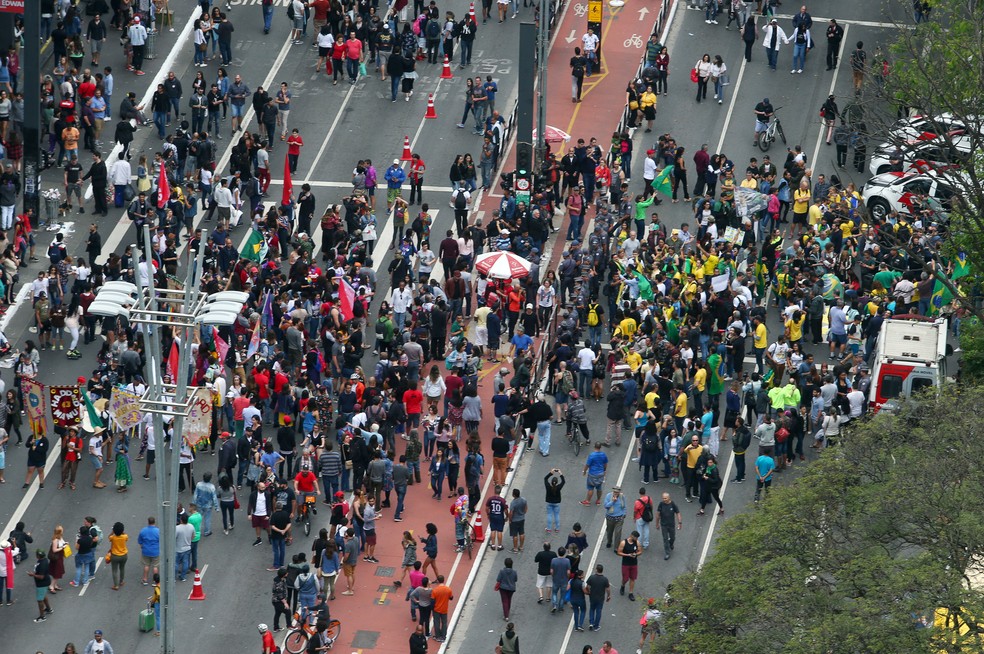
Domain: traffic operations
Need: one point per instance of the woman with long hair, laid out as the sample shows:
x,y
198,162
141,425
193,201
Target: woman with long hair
x,y
118,554
56,558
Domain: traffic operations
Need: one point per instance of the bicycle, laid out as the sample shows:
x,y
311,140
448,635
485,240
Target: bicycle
x,y
297,639
634,41
304,513
469,537
574,437
768,137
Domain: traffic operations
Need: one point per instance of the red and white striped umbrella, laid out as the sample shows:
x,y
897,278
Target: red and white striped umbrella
x,y
553,135
503,265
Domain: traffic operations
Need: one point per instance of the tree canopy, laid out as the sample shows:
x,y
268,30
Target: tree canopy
x,y
858,554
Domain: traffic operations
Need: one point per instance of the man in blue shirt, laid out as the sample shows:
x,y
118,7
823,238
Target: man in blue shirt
x,y
595,467
394,177
764,467
520,341
614,516
150,548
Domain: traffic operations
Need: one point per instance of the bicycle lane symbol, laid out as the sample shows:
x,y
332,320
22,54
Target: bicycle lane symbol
x,y
580,10
634,41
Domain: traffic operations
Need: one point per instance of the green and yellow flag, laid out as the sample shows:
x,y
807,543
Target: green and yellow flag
x,y
664,182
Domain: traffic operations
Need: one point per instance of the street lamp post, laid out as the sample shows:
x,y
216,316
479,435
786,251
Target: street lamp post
x,y
181,310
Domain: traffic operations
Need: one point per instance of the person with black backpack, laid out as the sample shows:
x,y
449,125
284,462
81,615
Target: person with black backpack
x,y
650,452
643,513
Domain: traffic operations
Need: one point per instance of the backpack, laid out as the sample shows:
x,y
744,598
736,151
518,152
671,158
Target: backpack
x,y
762,399
593,314
460,202
782,434
858,58
433,29
290,9
650,443
647,511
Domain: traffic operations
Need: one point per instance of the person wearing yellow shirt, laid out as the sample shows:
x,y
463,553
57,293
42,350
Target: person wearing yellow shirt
x,y
627,327
815,215
760,341
679,409
633,359
749,181
794,327
117,554
652,399
700,383
801,206
847,228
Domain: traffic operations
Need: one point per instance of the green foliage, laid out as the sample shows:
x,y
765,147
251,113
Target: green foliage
x,y
972,356
874,536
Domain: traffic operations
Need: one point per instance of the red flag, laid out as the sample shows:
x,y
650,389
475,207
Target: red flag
x,y
346,300
172,361
288,184
163,189
221,347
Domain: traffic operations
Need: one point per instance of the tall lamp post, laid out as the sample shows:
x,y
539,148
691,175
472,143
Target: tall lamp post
x,y
181,310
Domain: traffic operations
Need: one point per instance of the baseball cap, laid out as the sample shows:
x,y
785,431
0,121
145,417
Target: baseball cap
x,y
529,306
396,162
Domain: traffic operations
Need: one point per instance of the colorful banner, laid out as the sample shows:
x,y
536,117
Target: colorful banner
x,y
66,405
124,409
198,424
33,398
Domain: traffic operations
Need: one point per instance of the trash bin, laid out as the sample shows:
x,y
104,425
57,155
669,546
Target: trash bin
x,y
150,47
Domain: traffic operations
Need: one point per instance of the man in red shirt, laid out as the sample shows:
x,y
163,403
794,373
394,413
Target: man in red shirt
x,y
306,485
294,145
413,401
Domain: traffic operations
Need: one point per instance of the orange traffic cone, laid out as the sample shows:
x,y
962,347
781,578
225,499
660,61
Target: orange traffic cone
x,y
471,11
479,530
197,592
407,155
446,72
431,112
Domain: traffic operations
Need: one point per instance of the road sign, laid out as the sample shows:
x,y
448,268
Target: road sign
x,y
594,11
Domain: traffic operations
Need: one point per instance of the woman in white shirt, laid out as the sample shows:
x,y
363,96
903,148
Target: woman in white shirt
x,y
703,68
718,70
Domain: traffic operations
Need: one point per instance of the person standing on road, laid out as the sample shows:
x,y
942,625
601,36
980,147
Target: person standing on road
x,y
858,61
350,559
578,66
99,175
740,440
238,92
184,534
842,139
41,581
278,598
149,540
595,468
294,144
495,508
267,6
599,592
835,34
665,512
749,34
441,594
418,641
505,583
614,516
137,35
553,482
765,466
560,570
629,550
772,41
517,521
642,512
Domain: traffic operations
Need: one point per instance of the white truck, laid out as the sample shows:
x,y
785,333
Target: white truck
x,y
910,354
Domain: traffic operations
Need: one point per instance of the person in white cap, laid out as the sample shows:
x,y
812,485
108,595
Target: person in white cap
x,y
394,176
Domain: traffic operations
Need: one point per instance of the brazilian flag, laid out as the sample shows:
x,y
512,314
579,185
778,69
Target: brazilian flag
x,y
664,182
941,294
645,287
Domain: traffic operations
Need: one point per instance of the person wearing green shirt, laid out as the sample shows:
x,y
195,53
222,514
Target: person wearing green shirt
x,y
384,332
777,399
886,277
640,208
715,382
195,520
791,396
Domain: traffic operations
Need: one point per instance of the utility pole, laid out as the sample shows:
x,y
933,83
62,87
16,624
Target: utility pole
x,y
542,51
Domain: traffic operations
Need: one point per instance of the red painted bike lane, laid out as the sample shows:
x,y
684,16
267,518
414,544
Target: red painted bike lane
x,y
377,619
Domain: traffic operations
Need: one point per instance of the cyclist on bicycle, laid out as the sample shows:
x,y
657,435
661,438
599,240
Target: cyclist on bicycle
x,y
577,417
763,115
318,612
306,486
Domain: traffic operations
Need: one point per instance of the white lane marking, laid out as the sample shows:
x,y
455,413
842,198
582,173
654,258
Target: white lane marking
x,y
833,83
731,105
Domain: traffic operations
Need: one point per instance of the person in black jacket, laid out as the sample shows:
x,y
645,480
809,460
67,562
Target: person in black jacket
x,y
100,177
418,641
